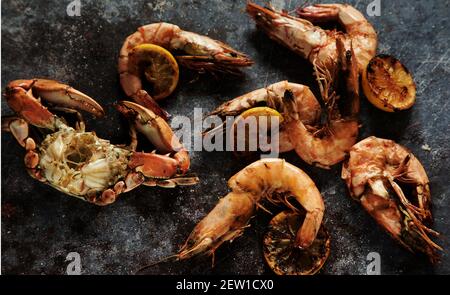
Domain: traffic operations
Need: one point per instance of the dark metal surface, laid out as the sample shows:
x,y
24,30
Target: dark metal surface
x,y
40,226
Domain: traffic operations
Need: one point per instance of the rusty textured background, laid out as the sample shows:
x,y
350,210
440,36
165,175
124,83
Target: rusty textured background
x,y
40,225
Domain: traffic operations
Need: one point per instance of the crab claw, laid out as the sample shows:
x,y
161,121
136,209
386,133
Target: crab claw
x,y
155,129
159,133
22,96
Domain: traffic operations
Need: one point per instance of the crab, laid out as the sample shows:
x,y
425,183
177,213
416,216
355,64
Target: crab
x,y
79,163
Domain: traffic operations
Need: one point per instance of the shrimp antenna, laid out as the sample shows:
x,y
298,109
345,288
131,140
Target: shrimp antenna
x,y
155,263
302,5
324,79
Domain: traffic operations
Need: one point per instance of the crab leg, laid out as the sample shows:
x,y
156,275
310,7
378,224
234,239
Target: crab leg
x,y
18,128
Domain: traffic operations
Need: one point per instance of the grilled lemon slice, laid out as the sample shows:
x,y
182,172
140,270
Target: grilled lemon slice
x,y
280,252
261,112
388,85
250,137
159,67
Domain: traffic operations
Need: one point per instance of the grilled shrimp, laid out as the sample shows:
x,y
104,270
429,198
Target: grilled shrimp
x,y
328,144
312,42
318,143
393,187
193,51
293,101
271,179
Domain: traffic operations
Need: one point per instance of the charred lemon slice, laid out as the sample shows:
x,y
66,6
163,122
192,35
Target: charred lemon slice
x,y
261,112
388,85
159,67
280,252
246,130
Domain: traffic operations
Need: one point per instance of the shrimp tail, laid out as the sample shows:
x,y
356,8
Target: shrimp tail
x,y
307,234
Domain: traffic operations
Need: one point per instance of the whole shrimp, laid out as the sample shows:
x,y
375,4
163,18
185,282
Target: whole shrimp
x,y
193,51
320,135
312,42
393,187
271,179
294,101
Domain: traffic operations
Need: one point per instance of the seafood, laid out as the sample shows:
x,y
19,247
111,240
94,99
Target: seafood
x,y
312,42
388,85
293,101
191,50
267,179
79,163
393,187
321,143
280,252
